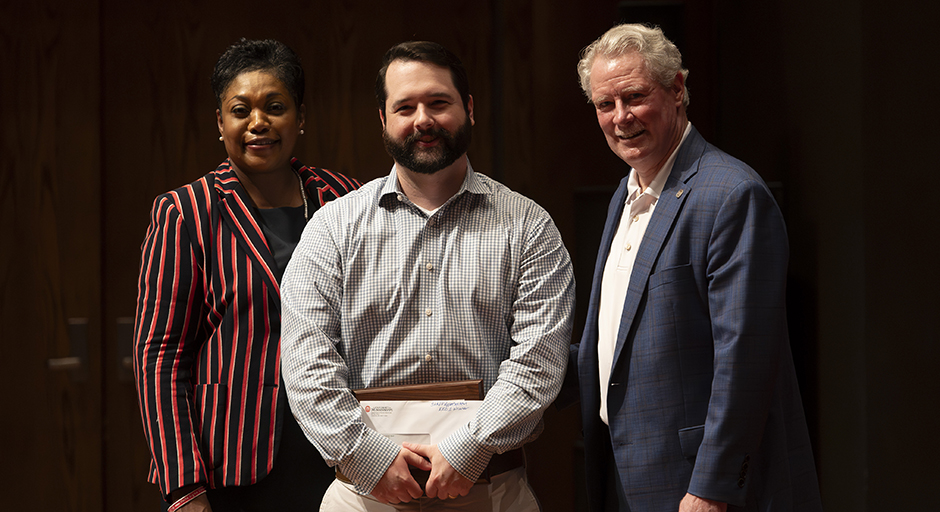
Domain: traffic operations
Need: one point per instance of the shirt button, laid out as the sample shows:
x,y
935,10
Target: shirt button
x,y
629,247
428,358
429,266
636,218
428,312
399,197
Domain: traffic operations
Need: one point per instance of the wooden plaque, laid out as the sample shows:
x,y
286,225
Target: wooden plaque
x,y
454,390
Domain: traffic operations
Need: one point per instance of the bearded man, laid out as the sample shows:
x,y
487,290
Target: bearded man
x,y
433,273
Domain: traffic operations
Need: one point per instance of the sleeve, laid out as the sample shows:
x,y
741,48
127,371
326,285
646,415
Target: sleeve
x,y
167,336
314,370
530,379
746,272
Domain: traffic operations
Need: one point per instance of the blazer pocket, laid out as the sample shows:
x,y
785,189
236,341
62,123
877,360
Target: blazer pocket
x,y
210,415
690,439
671,275
677,305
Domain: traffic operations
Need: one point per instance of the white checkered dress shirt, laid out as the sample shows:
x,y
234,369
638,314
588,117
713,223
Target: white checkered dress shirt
x,y
378,293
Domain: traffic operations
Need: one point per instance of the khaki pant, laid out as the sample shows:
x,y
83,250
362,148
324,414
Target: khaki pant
x,y
506,492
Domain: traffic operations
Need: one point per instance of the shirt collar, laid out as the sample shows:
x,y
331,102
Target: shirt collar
x,y
472,183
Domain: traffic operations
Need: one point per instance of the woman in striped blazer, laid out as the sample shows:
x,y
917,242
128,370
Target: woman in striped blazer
x,y
207,332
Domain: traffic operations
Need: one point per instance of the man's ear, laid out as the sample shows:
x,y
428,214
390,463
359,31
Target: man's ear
x,y
382,117
678,88
470,109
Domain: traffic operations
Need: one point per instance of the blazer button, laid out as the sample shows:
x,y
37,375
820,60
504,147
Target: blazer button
x,y
741,483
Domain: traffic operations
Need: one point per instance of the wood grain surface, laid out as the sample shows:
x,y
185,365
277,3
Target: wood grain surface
x,y
107,104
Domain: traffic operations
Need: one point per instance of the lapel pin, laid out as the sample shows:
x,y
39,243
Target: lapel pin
x,y
679,193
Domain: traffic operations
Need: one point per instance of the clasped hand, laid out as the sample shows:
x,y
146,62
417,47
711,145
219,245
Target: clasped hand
x,y
398,486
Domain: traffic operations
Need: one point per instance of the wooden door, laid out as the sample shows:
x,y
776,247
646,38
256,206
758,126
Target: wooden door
x,y
50,214
158,130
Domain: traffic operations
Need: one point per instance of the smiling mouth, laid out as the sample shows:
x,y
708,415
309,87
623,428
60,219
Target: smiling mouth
x,y
627,136
261,143
426,143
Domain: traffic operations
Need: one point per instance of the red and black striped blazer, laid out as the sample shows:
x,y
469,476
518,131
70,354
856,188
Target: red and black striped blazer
x,y
207,332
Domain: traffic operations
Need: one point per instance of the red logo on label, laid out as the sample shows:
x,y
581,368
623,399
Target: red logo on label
x,y
368,408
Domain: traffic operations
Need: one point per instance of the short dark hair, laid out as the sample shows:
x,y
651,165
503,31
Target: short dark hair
x,y
423,51
267,55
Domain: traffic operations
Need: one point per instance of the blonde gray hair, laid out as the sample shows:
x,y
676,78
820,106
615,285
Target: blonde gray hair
x,y
663,60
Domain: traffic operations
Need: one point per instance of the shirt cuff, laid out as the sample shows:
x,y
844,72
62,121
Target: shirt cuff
x,y
366,466
465,454
185,500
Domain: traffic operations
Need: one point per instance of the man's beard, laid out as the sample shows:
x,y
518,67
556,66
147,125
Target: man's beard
x,y
429,160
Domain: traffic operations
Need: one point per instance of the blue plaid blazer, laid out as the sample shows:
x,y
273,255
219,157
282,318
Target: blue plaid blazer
x,y
703,395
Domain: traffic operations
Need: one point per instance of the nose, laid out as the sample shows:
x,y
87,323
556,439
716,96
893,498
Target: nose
x,y
623,113
258,121
423,119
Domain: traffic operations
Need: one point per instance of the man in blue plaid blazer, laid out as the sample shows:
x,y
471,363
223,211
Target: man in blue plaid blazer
x,y
688,392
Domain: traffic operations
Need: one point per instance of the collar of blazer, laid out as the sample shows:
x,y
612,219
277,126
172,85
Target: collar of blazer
x,y
235,209
677,188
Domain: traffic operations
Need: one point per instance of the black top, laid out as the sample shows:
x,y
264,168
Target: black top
x,y
282,227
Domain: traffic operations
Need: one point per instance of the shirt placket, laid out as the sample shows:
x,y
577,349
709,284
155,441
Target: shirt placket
x,y
428,269
639,209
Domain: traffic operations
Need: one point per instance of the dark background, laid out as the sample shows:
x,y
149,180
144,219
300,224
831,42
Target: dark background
x,y
106,103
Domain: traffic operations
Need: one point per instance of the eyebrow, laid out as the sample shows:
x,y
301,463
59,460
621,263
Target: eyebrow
x,y
245,98
619,93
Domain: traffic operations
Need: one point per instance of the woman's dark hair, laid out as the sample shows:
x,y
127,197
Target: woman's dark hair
x,y
266,55
423,51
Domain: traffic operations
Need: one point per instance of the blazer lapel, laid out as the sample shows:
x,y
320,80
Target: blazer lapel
x,y
587,352
234,205
673,196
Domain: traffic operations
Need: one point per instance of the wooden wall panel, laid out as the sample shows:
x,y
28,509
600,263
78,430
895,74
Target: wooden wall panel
x,y
50,258
552,150
130,82
158,133
107,104
901,244
119,93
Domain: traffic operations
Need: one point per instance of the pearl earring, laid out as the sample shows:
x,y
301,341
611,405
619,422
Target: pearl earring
x,y
220,138
301,131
